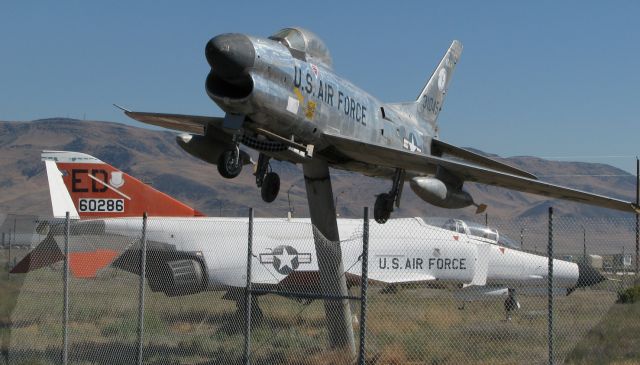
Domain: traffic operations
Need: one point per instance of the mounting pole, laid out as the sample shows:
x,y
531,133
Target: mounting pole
x,y
322,210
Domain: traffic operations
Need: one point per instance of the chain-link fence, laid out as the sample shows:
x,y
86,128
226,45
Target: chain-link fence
x,y
266,291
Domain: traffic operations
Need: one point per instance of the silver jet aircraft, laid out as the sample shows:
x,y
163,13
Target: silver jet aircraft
x,y
282,98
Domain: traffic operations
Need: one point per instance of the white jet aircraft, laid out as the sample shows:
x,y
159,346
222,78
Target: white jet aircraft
x,y
189,253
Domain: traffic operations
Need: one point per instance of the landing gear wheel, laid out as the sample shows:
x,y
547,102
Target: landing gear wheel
x,y
381,211
256,312
270,187
229,166
511,303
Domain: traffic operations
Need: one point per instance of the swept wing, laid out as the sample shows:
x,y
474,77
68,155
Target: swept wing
x,y
420,163
186,123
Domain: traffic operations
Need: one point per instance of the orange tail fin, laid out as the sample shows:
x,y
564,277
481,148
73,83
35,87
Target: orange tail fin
x,y
86,187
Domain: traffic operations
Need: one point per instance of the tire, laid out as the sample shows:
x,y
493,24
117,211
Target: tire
x,y
226,168
381,212
270,187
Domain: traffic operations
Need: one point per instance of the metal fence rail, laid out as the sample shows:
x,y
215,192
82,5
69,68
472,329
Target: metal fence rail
x,y
234,291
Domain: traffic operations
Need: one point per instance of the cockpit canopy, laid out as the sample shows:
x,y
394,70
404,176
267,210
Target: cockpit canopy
x,y
474,230
304,45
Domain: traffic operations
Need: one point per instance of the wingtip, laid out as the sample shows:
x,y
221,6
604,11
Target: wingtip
x,y
125,110
456,44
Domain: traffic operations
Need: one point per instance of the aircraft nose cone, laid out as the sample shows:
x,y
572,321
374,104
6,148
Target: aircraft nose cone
x,y
229,55
588,276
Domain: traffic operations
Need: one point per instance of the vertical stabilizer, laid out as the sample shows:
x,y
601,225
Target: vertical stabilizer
x,y
432,96
89,188
60,199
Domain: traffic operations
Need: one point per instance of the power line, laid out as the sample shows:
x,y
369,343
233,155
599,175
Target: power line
x,y
587,156
597,175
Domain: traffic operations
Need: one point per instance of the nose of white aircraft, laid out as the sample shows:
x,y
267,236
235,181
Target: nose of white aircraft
x,y
230,55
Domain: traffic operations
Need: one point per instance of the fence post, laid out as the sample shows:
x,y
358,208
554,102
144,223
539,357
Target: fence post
x,y
550,287
65,293
247,294
364,285
143,274
9,260
3,248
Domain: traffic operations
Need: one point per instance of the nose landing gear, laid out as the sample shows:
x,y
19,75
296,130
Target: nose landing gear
x,y
267,180
229,164
511,304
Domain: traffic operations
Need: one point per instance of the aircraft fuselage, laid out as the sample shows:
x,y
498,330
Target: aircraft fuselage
x,y
418,253
302,100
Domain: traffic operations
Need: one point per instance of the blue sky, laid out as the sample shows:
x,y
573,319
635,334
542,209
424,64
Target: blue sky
x,y
552,79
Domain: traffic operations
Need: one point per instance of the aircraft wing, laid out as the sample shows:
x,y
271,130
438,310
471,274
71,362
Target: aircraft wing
x,y
394,278
185,123
417,162
467,155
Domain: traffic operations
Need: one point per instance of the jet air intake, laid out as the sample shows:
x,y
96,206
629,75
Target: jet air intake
x,y
230,56
439,193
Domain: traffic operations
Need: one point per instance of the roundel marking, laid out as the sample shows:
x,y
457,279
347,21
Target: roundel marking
x,y
442,79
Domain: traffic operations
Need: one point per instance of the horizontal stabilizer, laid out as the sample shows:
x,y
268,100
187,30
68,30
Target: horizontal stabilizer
x,y
45,254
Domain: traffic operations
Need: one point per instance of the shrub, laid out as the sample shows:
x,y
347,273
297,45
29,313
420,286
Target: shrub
x,y
630,295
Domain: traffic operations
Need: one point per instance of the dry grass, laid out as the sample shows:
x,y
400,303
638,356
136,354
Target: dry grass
x,y
416,326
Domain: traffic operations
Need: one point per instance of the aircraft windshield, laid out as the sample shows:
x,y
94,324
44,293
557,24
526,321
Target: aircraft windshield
x,y
450,224
472,229
291,38
306,43
484,232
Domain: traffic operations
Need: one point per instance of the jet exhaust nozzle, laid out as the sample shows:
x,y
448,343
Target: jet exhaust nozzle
x,y
588,276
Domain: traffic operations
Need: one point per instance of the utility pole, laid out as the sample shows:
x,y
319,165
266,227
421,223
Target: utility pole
x,y
584,244
336,202
11,237
637,220
12,242
289,200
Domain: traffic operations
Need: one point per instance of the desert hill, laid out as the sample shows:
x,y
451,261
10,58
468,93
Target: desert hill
x,y
154,157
